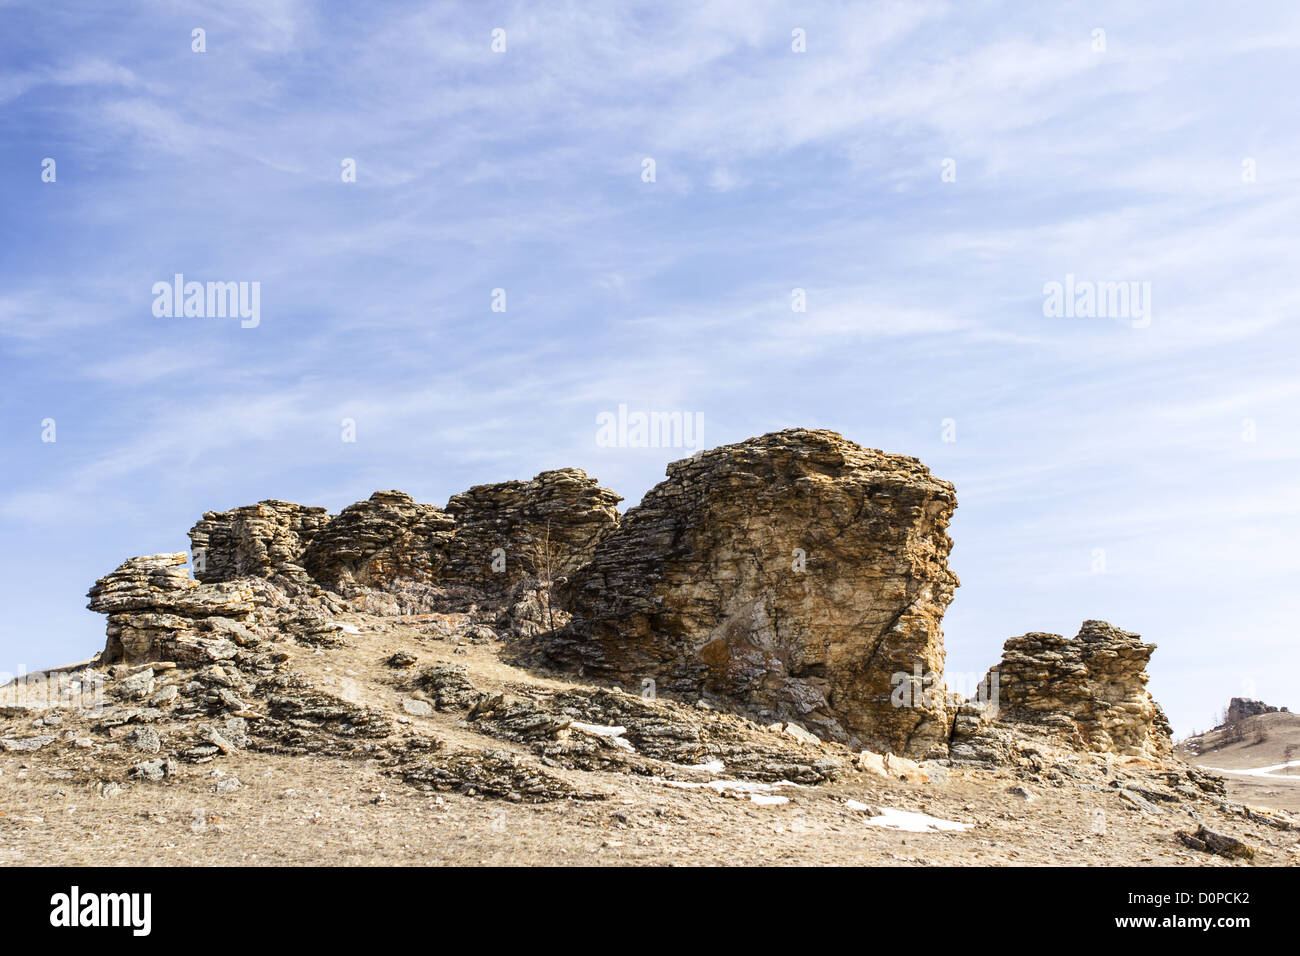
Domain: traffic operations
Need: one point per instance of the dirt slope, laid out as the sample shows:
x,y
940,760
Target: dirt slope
x,y
346,753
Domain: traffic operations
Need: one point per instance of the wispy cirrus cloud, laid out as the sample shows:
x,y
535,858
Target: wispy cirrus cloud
x,y
775,171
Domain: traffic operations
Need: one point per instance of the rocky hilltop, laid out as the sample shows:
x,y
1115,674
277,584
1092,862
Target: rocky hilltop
x,y
1257,750
765,623
795,578
1241,709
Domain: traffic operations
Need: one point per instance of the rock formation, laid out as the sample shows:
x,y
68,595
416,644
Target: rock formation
x,y
1243,708
797,578
156,612
490,539
796,575
548,528
1089,691
265,540
389,537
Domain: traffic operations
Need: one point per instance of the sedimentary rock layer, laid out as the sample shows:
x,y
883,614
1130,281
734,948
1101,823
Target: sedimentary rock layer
x,y
156,612
797,575
545,528
264,540
388,537
1090,690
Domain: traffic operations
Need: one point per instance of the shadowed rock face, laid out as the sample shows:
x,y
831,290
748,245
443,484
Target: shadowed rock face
x,y
792,575
1091,691
512,530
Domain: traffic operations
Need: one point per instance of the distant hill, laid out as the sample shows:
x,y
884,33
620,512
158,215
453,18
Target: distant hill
x,y
1259,756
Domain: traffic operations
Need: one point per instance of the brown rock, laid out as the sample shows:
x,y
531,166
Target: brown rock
x,y
1090,691
157,612
1211,841
796,574
514,531
262,540
373,543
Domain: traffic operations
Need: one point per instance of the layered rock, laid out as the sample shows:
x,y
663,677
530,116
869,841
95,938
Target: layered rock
x,y
389,537
265,540
796,575
511,531
157,612
1090,691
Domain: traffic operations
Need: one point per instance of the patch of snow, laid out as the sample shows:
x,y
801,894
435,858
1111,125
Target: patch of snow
x,y
347,628
891,819
1269,772
856,805
760,793
600,730
613,734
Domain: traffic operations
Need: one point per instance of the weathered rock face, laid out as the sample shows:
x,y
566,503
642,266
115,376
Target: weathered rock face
x,y
507,532
156,612
1243,708
1091,691
793,575
386,538
264,540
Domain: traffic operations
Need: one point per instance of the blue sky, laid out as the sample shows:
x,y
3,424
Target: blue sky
x,y
1076,438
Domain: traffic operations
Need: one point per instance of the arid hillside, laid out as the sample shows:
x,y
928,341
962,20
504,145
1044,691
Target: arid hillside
x,y
1258,756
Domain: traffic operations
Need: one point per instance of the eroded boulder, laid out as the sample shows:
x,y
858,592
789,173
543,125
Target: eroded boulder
x,y
387,538
1090,691
796,575
157,612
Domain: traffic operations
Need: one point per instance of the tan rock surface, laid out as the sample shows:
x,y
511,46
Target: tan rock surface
x,y
1090,690
795,575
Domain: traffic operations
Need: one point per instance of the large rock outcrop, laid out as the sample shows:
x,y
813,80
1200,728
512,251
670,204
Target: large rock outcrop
x,y
1243,708
265,540
157,612
515,530
1090,691
797,576
388,537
